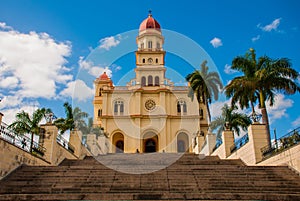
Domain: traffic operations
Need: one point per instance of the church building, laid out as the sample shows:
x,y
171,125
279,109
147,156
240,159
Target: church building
x,y
150,114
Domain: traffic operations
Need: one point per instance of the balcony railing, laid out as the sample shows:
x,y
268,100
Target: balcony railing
x,y
290,139
218,144
21,141
239,143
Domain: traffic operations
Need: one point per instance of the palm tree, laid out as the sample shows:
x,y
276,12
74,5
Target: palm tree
x,y
204,85
261,80
234,120
74,119
25,123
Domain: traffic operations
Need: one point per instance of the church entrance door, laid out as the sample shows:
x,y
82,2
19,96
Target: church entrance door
x,y
150,142
150,146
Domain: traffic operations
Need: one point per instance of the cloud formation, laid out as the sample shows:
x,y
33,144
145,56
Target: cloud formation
x,y
216,42
32,64
109,42
78,90
279,109
272,26
256,38
228,70
92,69
296,123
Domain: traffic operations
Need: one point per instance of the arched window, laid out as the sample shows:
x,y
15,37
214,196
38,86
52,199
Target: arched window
x,y
150,44
99,112
118,107
100,91
181,107
201,113
156,81
178,107
184,107
150,80
156,60
143,81
121,108
144,60
158,45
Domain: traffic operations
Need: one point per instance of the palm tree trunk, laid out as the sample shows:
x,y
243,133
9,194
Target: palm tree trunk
x,y
208,113
265,119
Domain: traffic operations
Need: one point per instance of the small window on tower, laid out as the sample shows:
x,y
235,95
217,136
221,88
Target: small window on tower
x,y
158,46
156,60
150,44
143,81
144,60
142,46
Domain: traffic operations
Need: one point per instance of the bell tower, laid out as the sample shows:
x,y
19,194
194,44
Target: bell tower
x,y
150,56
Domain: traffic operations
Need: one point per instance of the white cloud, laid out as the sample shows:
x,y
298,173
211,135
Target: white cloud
x,y
272,26
77,90
296,123
278,110
10,114
229,70
4,26
10,101
109,42
216,42
8,82
256,38
32,64
216,108
92,69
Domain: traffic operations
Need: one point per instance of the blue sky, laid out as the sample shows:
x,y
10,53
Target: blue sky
x,y
45,46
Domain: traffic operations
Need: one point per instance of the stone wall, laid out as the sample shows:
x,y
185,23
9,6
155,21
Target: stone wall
x,y
12,157
289,157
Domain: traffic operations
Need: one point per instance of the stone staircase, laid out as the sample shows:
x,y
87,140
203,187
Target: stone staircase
x,y
157,176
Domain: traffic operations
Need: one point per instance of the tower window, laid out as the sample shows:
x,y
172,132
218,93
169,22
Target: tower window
x,y
156,81
156,60
150,44
100,91
150,80
144,60
143,81
142,46
99,112
158,46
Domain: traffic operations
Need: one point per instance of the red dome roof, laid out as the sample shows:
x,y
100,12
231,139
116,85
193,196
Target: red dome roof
x,y
149,23
104,76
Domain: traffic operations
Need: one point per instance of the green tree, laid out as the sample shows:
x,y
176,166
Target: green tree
x,y
74,119
262,78
26,124
205,85
229,117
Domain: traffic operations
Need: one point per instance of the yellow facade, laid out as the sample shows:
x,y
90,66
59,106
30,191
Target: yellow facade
x,y
150,114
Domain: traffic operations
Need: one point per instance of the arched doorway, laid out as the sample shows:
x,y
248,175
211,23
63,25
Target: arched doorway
x,y
150,142
182,142
118,142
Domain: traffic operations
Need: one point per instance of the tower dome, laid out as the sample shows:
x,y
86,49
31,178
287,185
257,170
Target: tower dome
x,y
149,23
103,76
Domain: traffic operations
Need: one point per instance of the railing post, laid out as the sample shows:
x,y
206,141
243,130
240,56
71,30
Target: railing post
x,y
258,137
75,141
228,141
50,143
